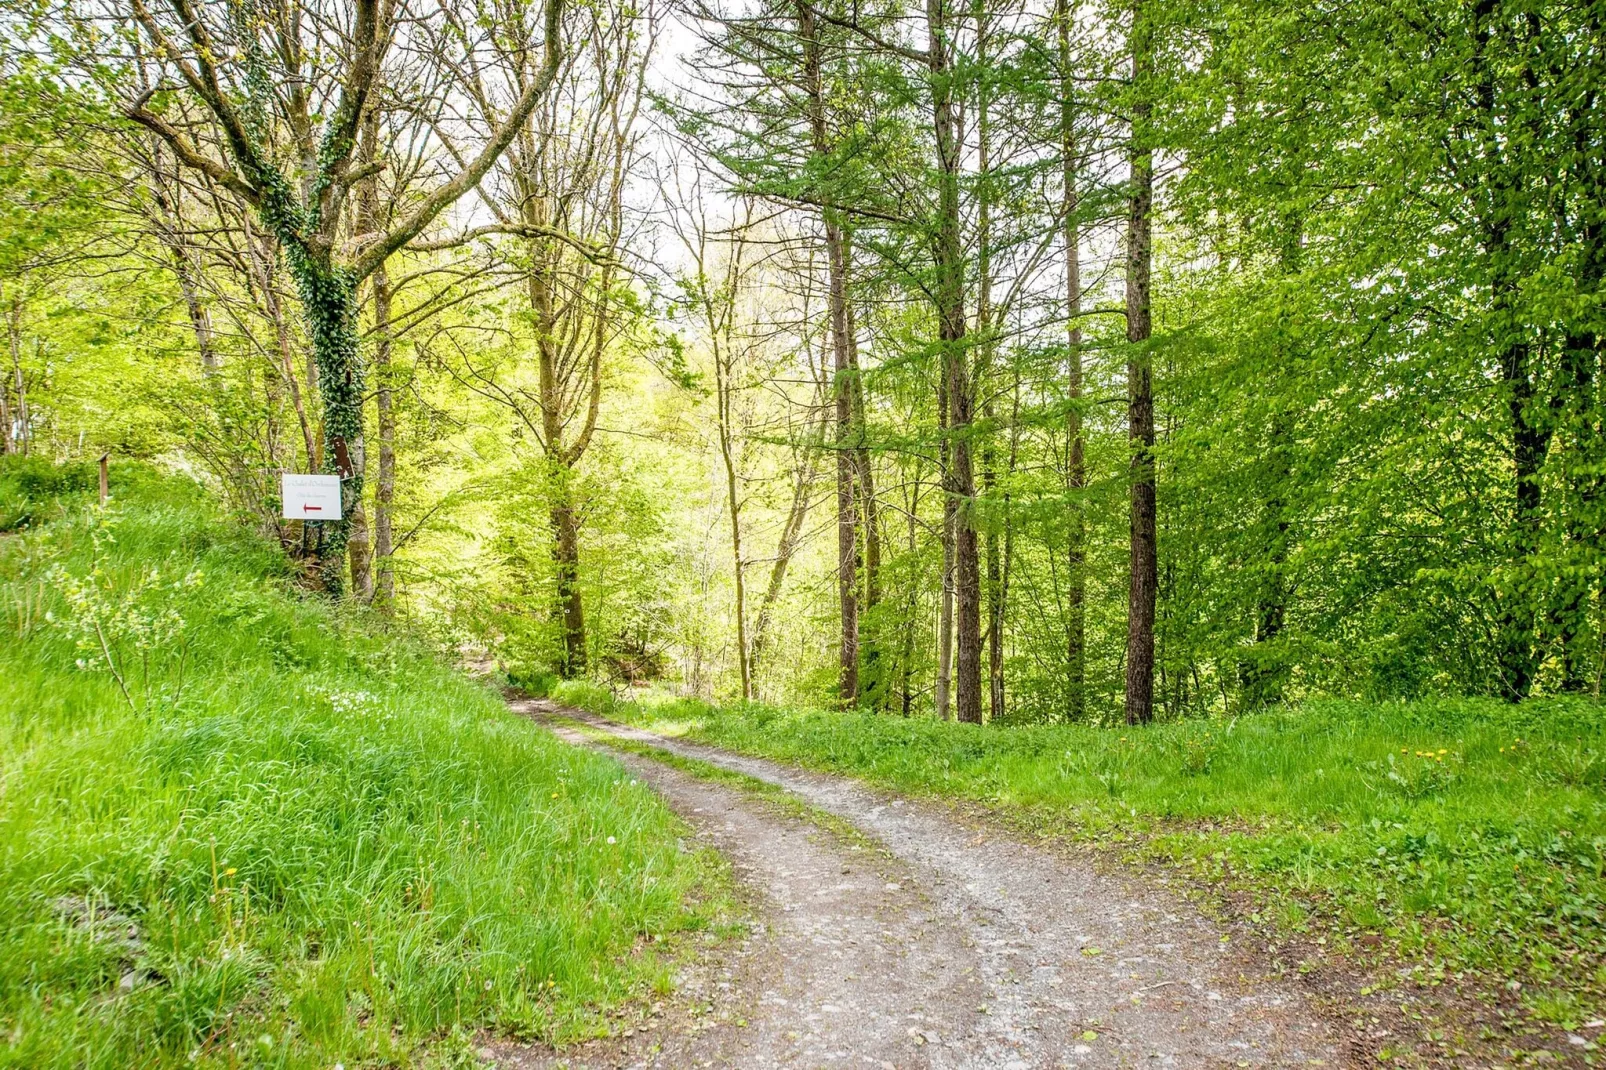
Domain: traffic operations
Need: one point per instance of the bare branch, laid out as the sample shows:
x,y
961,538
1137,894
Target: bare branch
x,y
470,176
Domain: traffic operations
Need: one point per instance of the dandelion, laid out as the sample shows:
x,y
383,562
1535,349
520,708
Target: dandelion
x,y
612,840
231,871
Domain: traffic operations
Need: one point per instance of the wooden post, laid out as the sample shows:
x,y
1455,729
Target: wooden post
x,y
105,486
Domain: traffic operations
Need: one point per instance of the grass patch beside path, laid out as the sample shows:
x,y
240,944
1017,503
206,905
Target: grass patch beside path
x,y
285,838
1466,837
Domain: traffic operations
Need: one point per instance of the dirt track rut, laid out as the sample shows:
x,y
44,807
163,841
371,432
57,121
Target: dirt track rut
x,y
955,947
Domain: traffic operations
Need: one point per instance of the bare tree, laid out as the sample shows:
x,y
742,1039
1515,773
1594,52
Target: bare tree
x,y
288,87
560,192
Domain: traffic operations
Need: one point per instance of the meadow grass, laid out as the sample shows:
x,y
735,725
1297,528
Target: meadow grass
x,y
1466,837
240,826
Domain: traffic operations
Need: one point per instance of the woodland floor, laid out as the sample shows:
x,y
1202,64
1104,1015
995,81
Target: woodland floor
x,y
892,933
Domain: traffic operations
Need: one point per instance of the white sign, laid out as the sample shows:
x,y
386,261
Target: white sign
x,y
311,497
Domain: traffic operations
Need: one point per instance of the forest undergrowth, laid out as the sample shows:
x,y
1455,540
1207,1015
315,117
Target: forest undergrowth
x,y
245,827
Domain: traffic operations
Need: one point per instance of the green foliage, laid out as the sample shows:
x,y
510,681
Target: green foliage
x,y
302,839
586,695
32,488
533,681
1470,834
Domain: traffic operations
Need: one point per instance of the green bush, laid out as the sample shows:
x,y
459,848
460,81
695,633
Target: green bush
x,y
32,486
535,682
584,694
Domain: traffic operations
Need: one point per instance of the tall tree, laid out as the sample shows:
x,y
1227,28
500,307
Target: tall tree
x,y
1075,445
844,381
1144,563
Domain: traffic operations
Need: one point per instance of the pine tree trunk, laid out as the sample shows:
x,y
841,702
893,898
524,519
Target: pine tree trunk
x,y
942,692
988,351
1144,576
906,668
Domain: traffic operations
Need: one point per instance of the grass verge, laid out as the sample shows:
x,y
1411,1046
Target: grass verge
x,y
1466,839
241,827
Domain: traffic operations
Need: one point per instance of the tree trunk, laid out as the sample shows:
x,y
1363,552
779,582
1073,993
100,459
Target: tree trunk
x,y
6,444
262,252
945,611
329,301
847,540
200,320
358,548
380,584
906,670
1075,458
384,596
1144,578
791,533
949,261
8,430
566,558
1530,440
724,390
988,352
567,608
172,234
1517,654
870,638
22,437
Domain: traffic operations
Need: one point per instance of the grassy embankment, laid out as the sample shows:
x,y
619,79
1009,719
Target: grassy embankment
x,y
249,828
1462,836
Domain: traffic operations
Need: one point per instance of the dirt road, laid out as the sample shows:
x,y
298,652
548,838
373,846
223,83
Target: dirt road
x,y
939,944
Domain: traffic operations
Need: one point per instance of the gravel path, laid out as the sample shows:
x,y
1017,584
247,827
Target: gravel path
x,y
956,946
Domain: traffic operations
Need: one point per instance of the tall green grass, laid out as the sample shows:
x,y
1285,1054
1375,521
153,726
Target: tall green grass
x,y
242,827
1467,835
